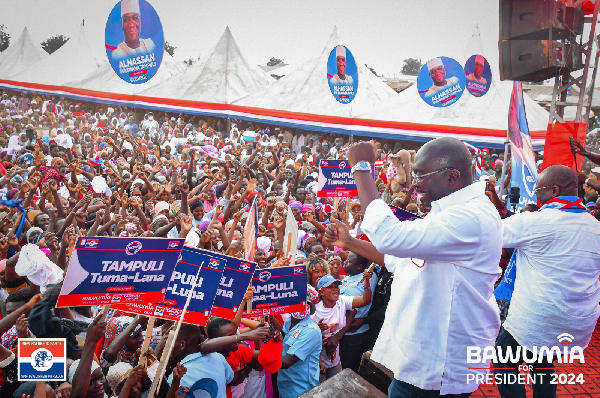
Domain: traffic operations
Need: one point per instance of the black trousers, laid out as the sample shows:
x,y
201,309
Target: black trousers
x,y
351,350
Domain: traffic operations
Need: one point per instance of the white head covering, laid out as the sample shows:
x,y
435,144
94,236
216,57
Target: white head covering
x,y
130,7
75,365
434,63
340,51
480,59
117,373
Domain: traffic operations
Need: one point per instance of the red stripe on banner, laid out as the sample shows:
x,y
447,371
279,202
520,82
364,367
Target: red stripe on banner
x,y
423,91
122,250
239,270
339,122
329,76
77,300
57,347
138,72
110,47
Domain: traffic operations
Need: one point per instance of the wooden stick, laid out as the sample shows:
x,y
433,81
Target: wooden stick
x,y
147,338
249,302
104,312
371,268
164,359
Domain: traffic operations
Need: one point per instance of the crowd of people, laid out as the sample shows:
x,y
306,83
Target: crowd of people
x,y
72,169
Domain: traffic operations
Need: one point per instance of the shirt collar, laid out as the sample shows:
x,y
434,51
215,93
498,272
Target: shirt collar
x,y
459,197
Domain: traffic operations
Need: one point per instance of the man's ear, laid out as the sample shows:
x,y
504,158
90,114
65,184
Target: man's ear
x,y
453,176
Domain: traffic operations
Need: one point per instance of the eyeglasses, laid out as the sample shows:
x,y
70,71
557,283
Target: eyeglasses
x,y
536,190
418,178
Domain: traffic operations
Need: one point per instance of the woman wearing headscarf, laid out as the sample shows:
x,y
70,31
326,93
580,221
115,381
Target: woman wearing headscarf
x,y
122,339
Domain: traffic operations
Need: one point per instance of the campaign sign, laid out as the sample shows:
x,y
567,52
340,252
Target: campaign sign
x,y
42,359
479,75
335,179
234,282
134,40
342,74
441,81
278,291
119,270
179,287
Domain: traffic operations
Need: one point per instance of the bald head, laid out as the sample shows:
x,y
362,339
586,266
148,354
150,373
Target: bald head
x,y
448,152
556,181
444,165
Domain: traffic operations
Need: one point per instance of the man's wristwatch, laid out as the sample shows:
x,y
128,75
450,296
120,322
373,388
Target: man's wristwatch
x,y
363,165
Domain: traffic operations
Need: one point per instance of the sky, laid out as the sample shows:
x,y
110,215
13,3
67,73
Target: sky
x,y
379,33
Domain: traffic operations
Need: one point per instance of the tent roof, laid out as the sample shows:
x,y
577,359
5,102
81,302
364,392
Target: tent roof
x,y
106,79
306,89
487,112
22,54
73,61
224,77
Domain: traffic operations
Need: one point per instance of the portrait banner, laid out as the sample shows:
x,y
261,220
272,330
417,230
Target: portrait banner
x,y
342,74
119,270
478,74
441,81
134,40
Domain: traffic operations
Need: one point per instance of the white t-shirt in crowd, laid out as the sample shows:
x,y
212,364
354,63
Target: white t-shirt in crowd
x,y
335,317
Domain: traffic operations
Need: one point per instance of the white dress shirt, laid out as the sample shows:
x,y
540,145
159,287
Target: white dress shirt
x,y
556,288
442,298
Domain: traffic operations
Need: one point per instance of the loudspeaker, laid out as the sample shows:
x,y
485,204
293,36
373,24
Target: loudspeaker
x,y
533,20
537,60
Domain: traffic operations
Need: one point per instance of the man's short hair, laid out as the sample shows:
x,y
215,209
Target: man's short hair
x,y
215,325
188,331
313,245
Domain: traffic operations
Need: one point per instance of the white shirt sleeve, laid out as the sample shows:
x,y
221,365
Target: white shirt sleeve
x,y
445,236
515,231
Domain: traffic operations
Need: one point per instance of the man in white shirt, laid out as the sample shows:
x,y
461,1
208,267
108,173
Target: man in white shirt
x,y
446,264
556,286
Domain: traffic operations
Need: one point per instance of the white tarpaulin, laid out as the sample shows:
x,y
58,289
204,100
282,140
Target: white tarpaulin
x,y
21,55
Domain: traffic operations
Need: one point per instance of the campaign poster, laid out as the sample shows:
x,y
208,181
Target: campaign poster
x,y
42,359
278,291
342,74
134,40
336,180
232,287
479,75
182,281
441,81
119,270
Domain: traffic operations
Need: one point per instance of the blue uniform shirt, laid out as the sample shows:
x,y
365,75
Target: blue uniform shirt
x,y
352,287
304,341
210,366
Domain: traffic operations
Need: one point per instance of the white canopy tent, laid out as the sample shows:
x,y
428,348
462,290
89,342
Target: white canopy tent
x,y
20,55
306,89
224,77
73,61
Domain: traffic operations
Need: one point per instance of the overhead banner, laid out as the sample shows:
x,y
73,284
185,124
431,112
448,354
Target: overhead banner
x,y
134,40
441,81
523,172
335,179
342,74
278,291
479,75
232,288
119,270
180,286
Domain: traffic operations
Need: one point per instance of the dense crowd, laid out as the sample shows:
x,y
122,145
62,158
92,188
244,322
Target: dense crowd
x,y
72,169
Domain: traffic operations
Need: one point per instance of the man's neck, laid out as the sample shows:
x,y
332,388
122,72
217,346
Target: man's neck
x,y
133,44
442,84
342,76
